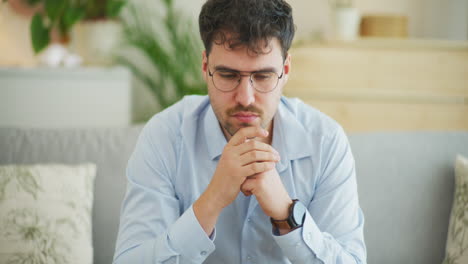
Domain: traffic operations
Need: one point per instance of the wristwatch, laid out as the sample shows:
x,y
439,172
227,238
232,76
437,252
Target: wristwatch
x,y
297,212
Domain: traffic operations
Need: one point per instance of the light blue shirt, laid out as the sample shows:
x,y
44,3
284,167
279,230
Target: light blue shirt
x,y
174,160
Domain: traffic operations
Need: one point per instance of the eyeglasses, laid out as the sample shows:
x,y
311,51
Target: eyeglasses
x,y
227,80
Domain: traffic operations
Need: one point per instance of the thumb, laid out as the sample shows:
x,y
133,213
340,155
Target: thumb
x,y
245,133
248,187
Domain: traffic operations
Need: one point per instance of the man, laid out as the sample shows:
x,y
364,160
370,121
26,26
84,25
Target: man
x,y
242,175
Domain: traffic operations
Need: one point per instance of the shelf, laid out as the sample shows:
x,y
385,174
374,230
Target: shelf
x,y
384,84
386,43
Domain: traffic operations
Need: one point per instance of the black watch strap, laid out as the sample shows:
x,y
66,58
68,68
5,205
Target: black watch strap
x,y
295,218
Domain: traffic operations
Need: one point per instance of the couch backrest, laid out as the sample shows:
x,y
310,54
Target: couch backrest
x,y
405,183
108,148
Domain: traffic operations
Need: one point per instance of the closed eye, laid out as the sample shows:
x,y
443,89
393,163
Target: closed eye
x,y
262,76
227,75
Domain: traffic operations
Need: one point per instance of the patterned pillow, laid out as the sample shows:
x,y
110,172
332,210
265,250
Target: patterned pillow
x,y
45,213
457,241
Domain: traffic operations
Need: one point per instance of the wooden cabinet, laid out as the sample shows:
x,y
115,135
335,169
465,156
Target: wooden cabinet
x,y
374,84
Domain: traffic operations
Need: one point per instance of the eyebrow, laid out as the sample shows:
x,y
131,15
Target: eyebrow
x,y
225,68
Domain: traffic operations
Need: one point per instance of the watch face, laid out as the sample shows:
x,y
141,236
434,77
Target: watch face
x,y
299,211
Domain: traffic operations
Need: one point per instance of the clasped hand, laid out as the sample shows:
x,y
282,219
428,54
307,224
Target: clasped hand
x,y
249,166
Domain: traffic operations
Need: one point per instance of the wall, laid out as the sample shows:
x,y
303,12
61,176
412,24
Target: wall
x,y
15,45
444,19
447,19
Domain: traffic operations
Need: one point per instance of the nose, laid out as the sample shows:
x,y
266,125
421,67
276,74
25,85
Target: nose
x,y
245,92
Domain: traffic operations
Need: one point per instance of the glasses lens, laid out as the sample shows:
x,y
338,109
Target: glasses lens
x,y
264,81
261,81
226,80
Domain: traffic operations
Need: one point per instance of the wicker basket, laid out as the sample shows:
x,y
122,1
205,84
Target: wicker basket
x,y
384,26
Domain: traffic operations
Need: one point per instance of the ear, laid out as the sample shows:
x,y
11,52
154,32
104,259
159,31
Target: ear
x,y
287,67
204,65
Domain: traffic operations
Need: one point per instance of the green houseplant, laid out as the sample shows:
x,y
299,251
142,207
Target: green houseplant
x,y
61,16
168,49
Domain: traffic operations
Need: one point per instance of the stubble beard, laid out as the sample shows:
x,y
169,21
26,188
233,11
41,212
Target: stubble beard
x,y
232,129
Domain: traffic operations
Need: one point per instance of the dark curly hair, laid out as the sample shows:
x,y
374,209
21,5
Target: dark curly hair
x,y
249,23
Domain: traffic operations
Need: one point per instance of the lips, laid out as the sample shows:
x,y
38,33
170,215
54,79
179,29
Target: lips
x,y
245,117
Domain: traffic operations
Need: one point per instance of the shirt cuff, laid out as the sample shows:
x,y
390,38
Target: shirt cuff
x,y
189,239
303,241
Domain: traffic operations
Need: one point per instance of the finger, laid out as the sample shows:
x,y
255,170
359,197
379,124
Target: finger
x,y
248,186
245,133
244,190
257,167
258,156
246,193
254,145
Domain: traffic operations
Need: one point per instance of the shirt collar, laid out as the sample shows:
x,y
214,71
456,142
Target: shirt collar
x,y
290,138
214,136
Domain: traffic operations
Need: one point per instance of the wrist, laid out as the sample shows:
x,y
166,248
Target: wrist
x,y
206,214
283,212
294,220
213,199
207,203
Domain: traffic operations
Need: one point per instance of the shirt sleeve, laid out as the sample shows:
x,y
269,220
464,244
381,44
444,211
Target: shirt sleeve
x,y
153,228
333,227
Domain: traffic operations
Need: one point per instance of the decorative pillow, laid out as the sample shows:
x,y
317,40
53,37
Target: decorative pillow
x,y
45,213
457,241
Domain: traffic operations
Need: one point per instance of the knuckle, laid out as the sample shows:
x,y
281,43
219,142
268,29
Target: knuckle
x,y
250,144
255,144
258,167
254,154
269,165
255,167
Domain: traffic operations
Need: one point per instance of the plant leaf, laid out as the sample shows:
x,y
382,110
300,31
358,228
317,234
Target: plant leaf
x,y
71,16
39,33
54,8
164,39
30,2
113,7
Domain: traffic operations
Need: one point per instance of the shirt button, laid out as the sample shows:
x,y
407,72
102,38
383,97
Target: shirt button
x,y
248,219
203,253
298,244
249,257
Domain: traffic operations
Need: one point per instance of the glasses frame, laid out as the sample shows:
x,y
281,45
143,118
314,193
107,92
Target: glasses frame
x,y
250,79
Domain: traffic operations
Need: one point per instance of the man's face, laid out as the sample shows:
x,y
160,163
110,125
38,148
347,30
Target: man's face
x,y
245,106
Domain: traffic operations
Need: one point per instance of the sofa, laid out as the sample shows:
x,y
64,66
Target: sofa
x,y
405,182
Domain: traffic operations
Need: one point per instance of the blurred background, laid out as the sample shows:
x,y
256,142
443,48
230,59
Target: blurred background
x,y
79,78
371,65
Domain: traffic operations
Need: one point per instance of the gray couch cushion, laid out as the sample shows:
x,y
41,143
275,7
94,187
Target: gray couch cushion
x,y
108,148
405,183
